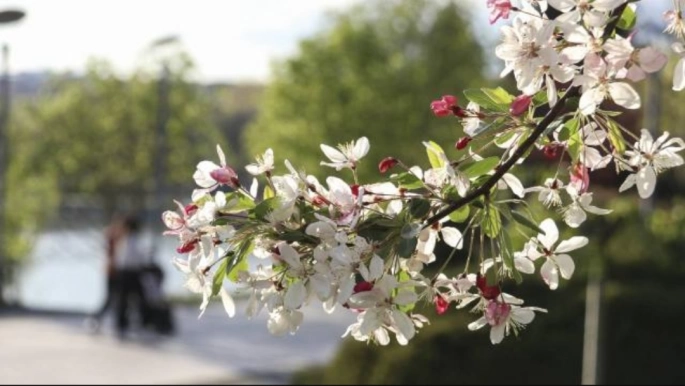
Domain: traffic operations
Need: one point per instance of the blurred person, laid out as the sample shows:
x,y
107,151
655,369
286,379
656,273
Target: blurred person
x,y
129,259
112,235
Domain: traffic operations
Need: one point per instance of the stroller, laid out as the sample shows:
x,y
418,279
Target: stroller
x,y
155,309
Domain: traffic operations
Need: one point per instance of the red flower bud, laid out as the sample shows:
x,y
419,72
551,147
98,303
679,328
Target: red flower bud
x,y
187,247
363,286
486,291
463,142
190,209
520,105
441,304
444,106
355,190
451,100
551,150
386,164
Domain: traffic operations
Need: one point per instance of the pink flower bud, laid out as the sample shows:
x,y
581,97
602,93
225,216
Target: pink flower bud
x,y
499,9
225,176
520,105
497,313
441,305
386,164
580,178
190,209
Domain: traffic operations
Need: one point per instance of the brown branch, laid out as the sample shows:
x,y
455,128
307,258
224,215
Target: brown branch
x,y
504,168
527,144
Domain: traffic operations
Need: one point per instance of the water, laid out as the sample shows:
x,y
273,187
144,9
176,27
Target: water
x,y
65,270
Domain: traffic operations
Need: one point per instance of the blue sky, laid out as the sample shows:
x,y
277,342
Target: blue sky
x,y
231,40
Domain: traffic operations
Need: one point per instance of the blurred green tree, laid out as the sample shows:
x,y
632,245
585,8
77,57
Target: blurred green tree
x,y
97,133
95,136
373,73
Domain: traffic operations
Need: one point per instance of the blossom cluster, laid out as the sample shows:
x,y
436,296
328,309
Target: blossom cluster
x,y
289,240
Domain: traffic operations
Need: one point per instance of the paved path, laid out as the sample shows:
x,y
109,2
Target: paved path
x,y
214,349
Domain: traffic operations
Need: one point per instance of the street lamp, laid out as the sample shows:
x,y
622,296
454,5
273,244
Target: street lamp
x,y
159,155
6,17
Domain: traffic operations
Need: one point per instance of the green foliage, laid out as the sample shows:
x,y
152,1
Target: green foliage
x,y
373,73
498,99
97,134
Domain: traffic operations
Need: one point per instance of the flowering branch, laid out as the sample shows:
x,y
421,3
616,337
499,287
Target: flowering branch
x,y
363,246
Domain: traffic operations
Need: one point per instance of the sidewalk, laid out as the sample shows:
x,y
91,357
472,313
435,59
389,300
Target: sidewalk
x,y
214,349
42,351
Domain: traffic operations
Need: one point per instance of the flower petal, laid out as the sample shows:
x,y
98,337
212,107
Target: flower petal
x,y
524,265
295,296
452,237
522,315
571,244
624,95
227,301
550,274
628,183
361,148
478,324
574,216
333,154
497,333
566,265
646,181
551,234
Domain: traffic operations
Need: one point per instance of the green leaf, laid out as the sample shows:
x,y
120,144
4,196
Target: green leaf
x,y
377,228
461,214
292,236
505,137
616,137
540,98
496,99
627,20
481,167
406,247
490,99
508,258
410,231
500,96
492,222
525,221
237,202
239,263
219,276
268,192
265,207
419,208
242,265
433,150
406,180
575,141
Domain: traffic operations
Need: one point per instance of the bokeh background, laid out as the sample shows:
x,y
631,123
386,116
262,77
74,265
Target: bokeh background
x,y
108,106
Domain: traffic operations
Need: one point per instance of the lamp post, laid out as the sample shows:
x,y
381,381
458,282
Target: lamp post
x,y
159,155
6,17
